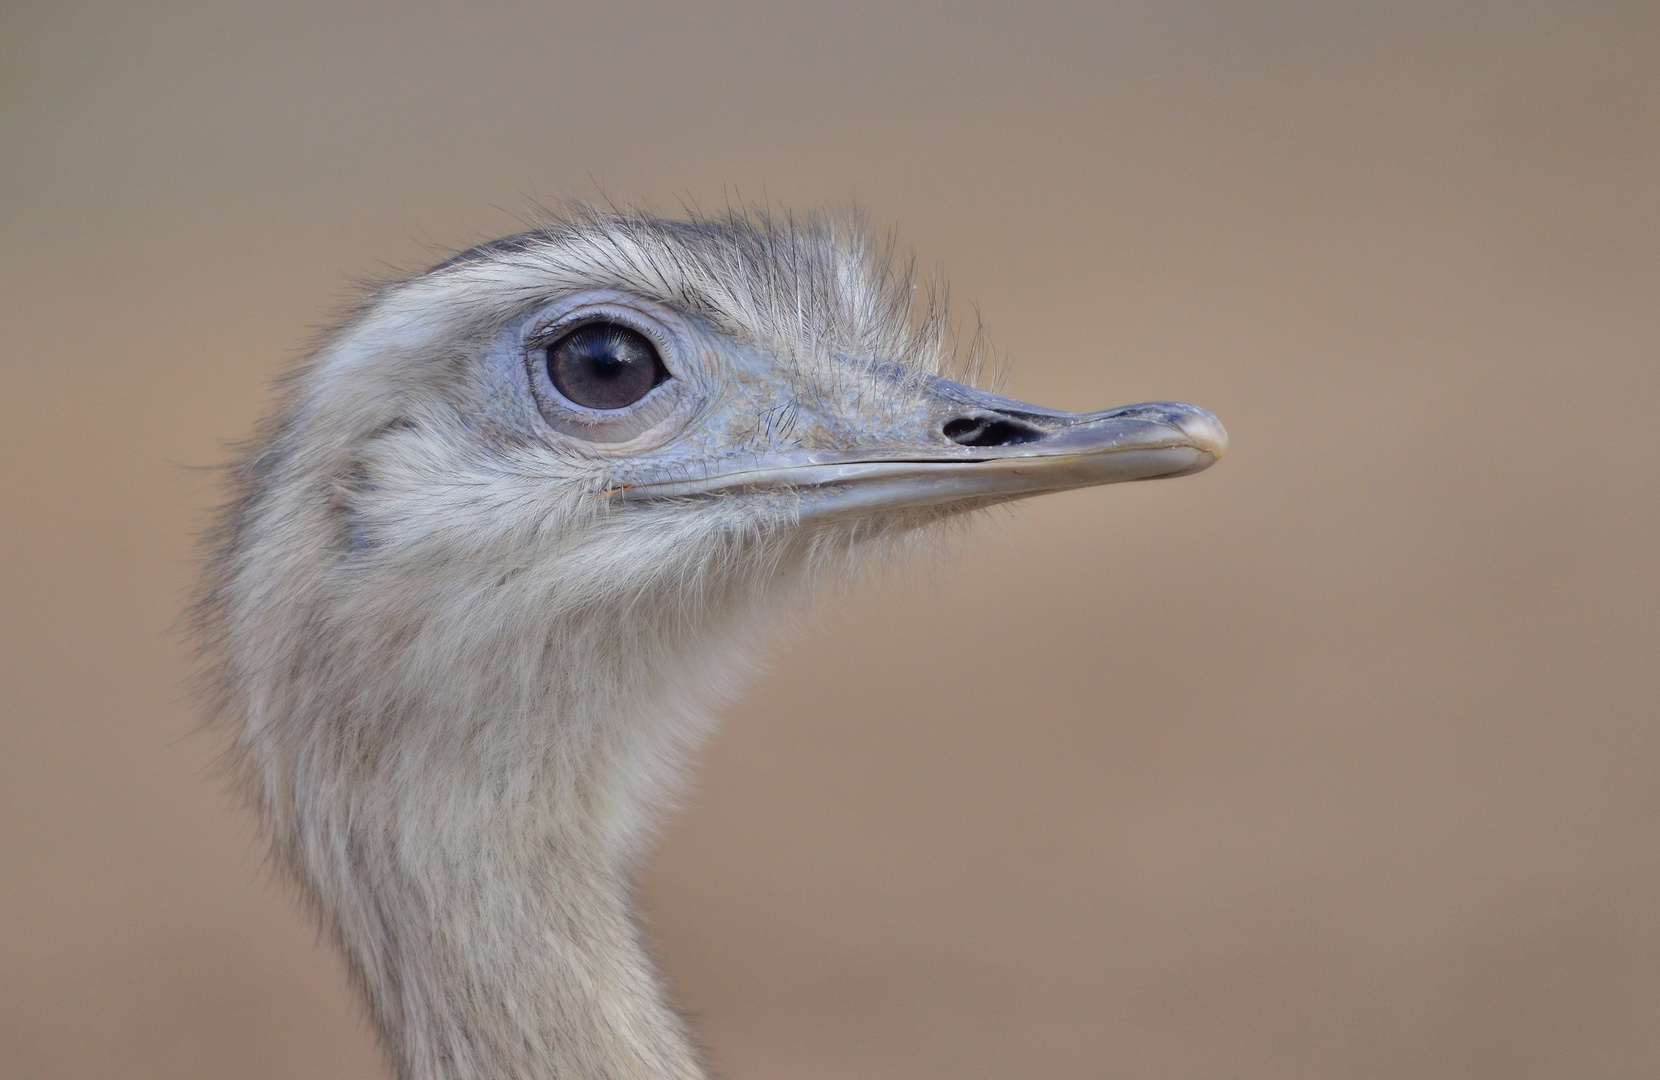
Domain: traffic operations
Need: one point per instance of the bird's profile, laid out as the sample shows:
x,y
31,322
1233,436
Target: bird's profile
x,y
500,551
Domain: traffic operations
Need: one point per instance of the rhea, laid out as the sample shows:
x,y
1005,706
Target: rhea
x,y
501,550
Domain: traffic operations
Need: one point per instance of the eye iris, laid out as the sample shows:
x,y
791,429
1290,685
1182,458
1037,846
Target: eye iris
x,y
604,366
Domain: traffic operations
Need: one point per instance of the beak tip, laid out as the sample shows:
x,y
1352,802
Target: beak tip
x,y
1205,431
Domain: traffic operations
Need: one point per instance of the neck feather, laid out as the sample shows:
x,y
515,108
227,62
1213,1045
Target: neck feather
x,y
494,935
470,849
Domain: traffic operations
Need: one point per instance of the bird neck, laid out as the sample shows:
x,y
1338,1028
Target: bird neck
x,y
509,948
476,871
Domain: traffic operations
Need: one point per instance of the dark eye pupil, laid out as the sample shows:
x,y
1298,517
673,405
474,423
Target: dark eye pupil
x,y
604,366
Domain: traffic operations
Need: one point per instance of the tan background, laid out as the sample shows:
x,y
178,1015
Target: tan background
x,y
1341,760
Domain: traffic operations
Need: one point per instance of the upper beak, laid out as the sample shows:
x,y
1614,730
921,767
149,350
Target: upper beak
x,y
965,446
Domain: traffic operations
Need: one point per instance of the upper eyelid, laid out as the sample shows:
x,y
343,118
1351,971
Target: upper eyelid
x,y
670,346
547,333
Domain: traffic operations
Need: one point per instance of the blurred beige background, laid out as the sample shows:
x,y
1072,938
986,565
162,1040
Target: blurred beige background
x,y
1340,760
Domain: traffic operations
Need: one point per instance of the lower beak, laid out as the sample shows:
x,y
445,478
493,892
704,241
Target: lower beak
x,y
972,449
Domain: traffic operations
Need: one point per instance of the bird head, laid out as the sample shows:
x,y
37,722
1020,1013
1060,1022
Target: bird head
x,y
549,473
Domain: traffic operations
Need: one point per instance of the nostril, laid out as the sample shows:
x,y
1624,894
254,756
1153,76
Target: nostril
x,y
989,431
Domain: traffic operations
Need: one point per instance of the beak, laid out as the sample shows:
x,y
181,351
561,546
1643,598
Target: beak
x,y
964,447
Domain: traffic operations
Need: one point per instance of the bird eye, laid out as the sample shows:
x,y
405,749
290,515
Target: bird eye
x,y
604,366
